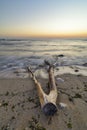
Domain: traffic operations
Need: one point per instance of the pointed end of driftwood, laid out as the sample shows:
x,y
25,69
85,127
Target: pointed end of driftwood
x,y
49,109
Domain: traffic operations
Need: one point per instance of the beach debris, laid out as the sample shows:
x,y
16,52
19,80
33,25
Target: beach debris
x,y
4,104
77,95
69,124
76,70
47,101
85,64
71,99
35,125
62,105
61,55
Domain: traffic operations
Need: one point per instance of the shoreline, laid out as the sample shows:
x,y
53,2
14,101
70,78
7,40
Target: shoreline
x,y
20,107
42,72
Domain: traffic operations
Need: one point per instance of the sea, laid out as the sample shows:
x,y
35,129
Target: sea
x,y
67,56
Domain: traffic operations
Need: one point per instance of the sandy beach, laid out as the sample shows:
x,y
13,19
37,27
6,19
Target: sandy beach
x,y
20,107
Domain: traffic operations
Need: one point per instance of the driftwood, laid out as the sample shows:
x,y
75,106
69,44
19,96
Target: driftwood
x,y
48,102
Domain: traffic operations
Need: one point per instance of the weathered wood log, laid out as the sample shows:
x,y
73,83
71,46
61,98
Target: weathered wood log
x,y
48,102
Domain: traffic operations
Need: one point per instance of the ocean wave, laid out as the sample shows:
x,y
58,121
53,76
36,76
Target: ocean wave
x,y
19,53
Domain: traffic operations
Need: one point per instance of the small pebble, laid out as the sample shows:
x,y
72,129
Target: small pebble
x,y
60,80
76,70
62,105
61,55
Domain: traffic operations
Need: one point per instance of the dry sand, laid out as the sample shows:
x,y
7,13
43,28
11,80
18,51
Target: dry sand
x,y
20,107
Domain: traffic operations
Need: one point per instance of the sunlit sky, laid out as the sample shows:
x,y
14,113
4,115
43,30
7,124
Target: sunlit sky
x,y
43,18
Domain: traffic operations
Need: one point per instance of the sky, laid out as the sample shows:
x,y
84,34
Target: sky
x,y
43,18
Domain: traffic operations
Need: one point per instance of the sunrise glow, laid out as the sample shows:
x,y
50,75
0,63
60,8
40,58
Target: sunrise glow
x,y
46,18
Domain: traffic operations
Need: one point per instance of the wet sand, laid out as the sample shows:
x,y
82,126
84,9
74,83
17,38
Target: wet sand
x,y
20,107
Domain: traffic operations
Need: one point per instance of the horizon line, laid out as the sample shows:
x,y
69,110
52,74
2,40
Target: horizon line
x,y
38,35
